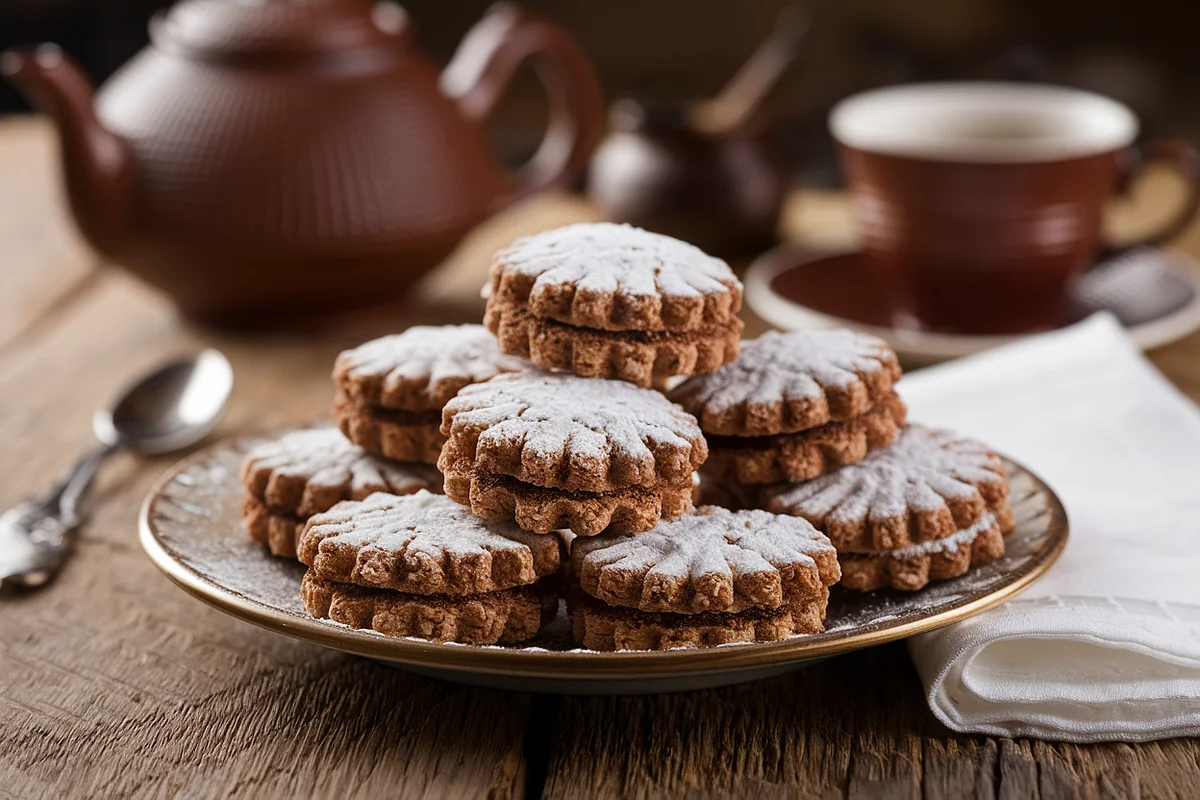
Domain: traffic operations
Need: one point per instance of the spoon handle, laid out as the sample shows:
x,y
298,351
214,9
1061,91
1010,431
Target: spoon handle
x,y
34,540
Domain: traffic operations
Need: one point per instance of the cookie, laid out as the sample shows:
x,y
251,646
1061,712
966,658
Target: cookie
x,y
613,301
712,561
423,544
911,568
645,358
566,432
305,472
391,390
554,451
597,626
927,485
542,510
752,460
508,616
615,277
790,382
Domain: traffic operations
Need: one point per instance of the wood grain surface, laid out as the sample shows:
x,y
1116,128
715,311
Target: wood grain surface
x,y
114,683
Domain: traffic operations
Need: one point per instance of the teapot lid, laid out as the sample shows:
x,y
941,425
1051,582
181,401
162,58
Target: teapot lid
x,y
241,28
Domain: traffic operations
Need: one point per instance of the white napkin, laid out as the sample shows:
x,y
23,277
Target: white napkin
x,y
1106,646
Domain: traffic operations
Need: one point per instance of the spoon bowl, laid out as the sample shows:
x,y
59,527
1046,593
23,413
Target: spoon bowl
x,y
169,409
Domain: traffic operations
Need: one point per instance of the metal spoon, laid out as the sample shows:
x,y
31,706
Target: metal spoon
x,y
169,409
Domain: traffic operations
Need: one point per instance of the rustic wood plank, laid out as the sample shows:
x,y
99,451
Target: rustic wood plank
x,y
44,259
959,767
115,683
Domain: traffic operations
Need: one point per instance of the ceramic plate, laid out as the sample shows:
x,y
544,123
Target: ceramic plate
x,y
191,528
1154,293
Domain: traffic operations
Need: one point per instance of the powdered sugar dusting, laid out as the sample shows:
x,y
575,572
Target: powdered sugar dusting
x,y
712,541
416,526
919,472
328,462
443,357
616,259
552,416
781,367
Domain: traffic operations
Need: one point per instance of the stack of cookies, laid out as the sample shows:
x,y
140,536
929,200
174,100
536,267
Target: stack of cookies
x,y
390,391
306,472
613,301
930,507
557,451
424,566
802,432
710,578
388,405
793,406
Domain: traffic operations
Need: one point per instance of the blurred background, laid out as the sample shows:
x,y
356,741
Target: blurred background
x,y
1141,53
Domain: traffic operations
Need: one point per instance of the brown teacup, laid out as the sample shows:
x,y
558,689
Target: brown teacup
x,y
980,203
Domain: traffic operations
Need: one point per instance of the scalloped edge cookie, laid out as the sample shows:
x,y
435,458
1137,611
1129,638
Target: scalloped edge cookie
x,y
645,358
713,398
669,450
657,572
467,355
342,545
503,617
601,627
912,568
541,510
794,457
590,300
870,535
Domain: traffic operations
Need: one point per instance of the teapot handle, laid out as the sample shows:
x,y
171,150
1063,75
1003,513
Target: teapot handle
x,y
483,68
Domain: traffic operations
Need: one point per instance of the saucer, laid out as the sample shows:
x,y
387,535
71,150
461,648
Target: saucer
x,y
191,527
1155,294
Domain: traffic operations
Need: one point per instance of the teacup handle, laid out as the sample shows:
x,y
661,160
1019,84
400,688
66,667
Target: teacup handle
x,y
483,68
1182,157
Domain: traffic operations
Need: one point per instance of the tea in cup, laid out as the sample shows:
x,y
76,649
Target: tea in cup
x,y
981,203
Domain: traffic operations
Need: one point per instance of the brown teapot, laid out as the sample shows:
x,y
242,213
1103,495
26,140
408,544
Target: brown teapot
x,y
265,159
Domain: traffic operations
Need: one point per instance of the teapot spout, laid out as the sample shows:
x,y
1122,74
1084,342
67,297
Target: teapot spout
x,y
97,163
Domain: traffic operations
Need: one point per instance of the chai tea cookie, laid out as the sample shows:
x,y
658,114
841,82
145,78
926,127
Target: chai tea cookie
x,y
305,472
927,485
422,544
566,432
790,382
542,510
911,568
645,358
613,301
597,626
712,561
752,460
554,450
391,390
507,616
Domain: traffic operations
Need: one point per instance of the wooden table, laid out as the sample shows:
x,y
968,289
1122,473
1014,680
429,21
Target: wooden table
x,y
113,682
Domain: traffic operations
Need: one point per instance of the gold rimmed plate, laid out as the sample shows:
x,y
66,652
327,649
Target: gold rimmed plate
x,y
191,527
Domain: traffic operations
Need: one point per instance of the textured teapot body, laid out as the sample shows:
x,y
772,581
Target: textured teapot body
x,y
369,176
276,162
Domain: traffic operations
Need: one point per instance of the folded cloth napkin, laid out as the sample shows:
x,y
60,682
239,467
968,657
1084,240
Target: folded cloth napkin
x,y
1106,646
